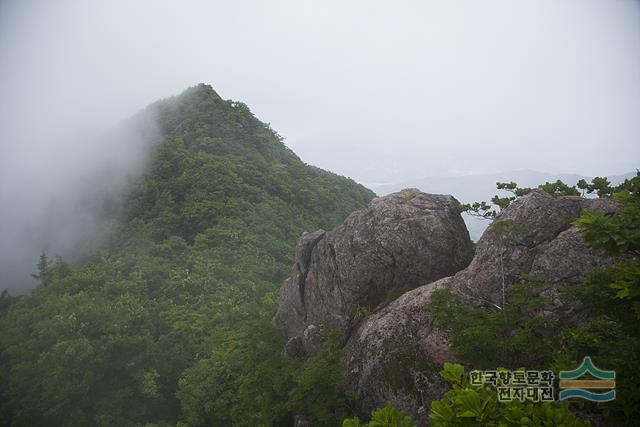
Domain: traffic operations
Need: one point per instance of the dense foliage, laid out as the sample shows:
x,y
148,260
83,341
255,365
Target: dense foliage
x,y
169,322
491,337
501,337
318,393
387,416
466,404
611,298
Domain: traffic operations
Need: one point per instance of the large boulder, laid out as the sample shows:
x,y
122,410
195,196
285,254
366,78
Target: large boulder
x,y
400,242
395,354
534,235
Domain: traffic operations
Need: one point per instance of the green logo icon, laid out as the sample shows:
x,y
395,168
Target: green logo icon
x,y
571,386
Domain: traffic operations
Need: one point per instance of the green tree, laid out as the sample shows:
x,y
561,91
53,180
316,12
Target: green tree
x,y
491,336
43,274
559,188
611,298
387,416
599,185
486,211
318,386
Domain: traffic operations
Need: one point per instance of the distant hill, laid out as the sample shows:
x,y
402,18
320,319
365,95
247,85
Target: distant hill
x,y
472,188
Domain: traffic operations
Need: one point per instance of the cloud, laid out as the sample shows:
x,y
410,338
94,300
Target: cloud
x,y
378,91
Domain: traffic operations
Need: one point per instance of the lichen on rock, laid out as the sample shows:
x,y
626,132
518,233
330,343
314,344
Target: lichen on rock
x,y
400,241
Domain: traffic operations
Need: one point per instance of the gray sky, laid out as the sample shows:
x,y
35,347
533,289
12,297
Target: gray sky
x,y
378,91
364,88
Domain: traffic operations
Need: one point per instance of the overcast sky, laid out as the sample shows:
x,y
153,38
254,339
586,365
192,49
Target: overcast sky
x,y
378,91
367,89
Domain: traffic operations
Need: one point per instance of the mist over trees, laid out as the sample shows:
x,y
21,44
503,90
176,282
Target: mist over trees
x,y
62,201
168,320
143,251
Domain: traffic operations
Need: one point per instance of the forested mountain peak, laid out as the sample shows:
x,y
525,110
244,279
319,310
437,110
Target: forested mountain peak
x,y
200,115
215,156
169,322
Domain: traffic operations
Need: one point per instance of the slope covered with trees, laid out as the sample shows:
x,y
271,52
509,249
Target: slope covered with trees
x,y
169,322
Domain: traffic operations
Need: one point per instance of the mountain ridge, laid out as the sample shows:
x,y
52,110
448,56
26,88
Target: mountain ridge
x,y
180,293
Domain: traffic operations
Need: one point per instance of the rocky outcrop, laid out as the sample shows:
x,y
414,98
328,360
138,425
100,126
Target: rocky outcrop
x,y
532,236
395,354
398,243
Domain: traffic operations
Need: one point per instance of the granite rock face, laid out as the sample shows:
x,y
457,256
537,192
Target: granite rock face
x,y
395,354
533,235
400,242
373,276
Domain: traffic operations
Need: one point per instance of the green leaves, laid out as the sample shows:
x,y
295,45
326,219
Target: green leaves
x,y
559,188
617,234
352,422
601,186
479,209
454,373
470,405
317,391
488,337
611,298
387,416
390,417
148,385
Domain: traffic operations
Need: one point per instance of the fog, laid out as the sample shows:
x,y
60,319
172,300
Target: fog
x,y
379,91
60,192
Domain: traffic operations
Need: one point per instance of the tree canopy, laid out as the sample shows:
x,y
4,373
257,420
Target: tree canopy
x,y
168,323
